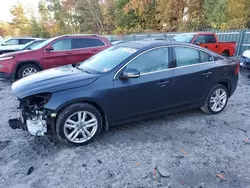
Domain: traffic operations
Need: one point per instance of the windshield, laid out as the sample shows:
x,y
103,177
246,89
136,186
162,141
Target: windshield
x,y
183,38
107,59
31,45
41,45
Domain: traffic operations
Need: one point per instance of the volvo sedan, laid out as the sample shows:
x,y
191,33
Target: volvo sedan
x,y
124,83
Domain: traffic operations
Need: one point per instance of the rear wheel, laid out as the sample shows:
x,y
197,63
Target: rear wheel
x,y
216,100
26,70
225,53
78,124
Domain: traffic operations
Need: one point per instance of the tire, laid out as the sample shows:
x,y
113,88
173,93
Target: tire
x,y
208,107
21,71
225,53
65,126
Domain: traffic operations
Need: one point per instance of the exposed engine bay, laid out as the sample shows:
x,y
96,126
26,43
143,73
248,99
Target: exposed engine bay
x,y
33,117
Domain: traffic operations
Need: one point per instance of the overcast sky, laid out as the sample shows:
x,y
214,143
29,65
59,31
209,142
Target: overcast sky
x,y
30,5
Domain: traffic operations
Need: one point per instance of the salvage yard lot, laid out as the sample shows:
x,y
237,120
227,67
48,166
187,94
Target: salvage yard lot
x,y
190,149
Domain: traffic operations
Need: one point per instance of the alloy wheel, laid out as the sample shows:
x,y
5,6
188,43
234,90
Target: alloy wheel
x,y
218,100
80,126
28,71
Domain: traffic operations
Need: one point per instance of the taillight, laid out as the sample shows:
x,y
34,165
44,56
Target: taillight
x,y
237,70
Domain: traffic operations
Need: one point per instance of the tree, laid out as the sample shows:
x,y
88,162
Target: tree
x,y
144,10
125,20
238,14
108,8
19,20
171,14
215,12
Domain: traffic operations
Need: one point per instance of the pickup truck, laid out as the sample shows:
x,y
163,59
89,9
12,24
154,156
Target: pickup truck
x,y
209,41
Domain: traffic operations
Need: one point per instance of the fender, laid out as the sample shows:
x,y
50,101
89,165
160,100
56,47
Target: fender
x,y
23,62
228,84
104,115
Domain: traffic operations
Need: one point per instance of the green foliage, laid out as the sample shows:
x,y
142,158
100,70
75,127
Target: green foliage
x,y
58,17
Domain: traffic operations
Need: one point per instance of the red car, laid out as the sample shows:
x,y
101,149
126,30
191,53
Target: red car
x,y
208,40
58,51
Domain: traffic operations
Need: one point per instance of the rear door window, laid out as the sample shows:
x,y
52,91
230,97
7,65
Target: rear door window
x,y
62,45
186,56
87,43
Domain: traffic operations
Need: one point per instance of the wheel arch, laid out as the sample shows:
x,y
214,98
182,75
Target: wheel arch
x,y
226,50
227,84
21,63
89,101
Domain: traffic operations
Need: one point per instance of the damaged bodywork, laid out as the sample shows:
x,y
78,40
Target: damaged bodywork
x,y
33,116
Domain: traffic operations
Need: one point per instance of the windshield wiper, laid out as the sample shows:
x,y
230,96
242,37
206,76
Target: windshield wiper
x,y
77,67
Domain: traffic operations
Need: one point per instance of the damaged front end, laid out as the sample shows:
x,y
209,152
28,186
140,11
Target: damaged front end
x,y
33,116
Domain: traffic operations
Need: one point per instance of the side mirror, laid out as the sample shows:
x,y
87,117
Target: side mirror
x,y
28,48
3,44
49,48
130,73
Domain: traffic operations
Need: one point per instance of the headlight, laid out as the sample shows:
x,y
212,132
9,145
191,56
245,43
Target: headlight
x,y
6,58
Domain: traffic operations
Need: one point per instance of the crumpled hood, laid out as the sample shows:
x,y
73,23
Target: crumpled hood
x,y
52,80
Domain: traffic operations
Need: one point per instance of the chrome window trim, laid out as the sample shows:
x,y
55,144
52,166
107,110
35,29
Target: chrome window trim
x,y
76,48
168,46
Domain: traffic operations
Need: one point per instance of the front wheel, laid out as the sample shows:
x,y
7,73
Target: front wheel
x,y
216,100
26,70
78,124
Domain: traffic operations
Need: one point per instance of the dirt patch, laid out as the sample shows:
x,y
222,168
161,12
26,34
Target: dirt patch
x,y
188,149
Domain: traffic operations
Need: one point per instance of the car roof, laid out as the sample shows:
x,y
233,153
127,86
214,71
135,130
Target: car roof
x,y
24,38
145,44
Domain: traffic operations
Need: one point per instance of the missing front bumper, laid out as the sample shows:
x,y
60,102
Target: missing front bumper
x,y
17,124
35,125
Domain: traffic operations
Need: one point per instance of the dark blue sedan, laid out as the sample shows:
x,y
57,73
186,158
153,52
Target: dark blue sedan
x,y
125,83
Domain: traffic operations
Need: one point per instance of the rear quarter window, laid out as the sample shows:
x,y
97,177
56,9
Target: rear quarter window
x,y
87,43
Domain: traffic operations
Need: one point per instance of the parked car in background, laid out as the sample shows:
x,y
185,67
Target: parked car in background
x,y
117,42
54,52
208,40
1,40
28,46
245,63
17,41
124,83
155,38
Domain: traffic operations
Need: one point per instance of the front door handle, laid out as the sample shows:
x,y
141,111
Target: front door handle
x,y
207,73
163,82
205,46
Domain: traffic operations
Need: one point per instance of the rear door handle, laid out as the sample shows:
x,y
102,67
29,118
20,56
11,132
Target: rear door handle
x,y
94,50
205,46
163,82
207,73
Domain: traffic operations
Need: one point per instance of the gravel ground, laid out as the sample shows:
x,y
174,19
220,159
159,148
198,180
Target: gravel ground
x,y
189,149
